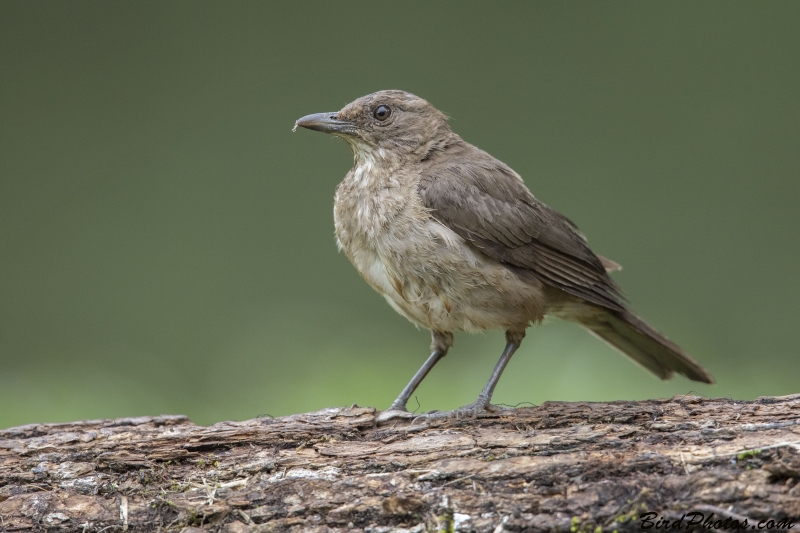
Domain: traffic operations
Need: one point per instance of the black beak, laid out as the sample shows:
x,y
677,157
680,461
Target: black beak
x,y
325,122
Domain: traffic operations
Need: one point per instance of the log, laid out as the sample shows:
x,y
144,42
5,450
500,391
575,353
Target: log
x,y
579,467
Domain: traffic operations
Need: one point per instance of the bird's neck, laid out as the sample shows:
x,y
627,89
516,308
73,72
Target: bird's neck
x,y
368,159
389,159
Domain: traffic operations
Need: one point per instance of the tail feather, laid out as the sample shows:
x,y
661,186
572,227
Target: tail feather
x,y
633,337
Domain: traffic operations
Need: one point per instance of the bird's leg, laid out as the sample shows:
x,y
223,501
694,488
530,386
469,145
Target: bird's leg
x,y
513,341
440,344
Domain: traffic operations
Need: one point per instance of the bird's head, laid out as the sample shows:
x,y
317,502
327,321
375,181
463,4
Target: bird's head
x,y
384,124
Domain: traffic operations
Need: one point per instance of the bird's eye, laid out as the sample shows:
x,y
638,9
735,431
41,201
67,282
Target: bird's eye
x,y
382,112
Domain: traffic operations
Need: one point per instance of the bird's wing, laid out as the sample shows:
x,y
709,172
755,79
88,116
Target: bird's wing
x,y
487,204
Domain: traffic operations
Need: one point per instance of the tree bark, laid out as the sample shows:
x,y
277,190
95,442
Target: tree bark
x,y
556,467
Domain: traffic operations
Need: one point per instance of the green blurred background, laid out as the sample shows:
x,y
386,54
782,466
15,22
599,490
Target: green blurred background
x,y
167,244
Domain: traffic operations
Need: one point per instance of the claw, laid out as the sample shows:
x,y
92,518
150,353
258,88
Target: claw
x,y
472,410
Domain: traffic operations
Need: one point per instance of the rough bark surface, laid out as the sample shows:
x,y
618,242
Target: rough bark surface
x,y
556,467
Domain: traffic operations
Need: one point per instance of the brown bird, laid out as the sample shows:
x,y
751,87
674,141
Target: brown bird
x,y
454,241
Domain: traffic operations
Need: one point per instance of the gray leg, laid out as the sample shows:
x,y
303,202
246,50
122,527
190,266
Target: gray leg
x,y
513,341
440,344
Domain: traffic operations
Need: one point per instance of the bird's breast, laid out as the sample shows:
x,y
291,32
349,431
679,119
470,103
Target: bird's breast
x,y
367,203
425,271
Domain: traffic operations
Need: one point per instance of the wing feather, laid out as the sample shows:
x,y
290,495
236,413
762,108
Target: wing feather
x,y
487,204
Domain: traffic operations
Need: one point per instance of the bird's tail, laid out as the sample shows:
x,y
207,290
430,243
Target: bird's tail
x,y
632,336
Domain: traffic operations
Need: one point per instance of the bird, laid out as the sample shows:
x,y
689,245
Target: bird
x,y
455,241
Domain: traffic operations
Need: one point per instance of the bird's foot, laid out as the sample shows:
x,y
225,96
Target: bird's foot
x,y
394,411
478,407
